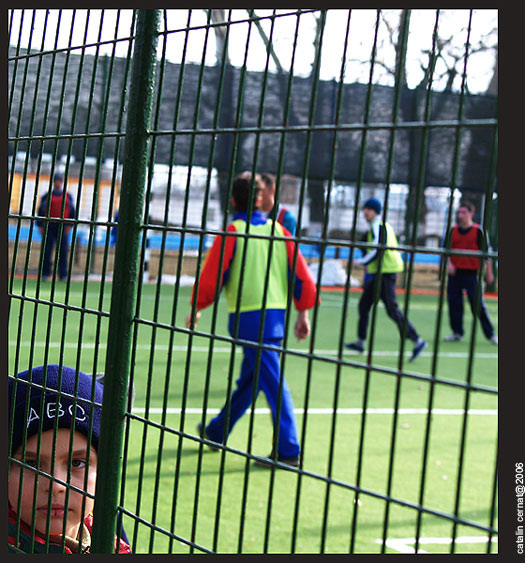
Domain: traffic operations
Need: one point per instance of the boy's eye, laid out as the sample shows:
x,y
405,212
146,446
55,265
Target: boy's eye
x,y
78,463
31,463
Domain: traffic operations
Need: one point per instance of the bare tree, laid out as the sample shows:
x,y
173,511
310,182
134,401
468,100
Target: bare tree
x,y
218,17
319,22
268,44
443,63
221,24
493,85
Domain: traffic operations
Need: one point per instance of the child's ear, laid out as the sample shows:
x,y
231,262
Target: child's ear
x,y
233,203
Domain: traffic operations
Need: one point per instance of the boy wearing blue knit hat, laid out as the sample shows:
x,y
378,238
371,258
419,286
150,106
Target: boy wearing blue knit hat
x,y
382,266
54,416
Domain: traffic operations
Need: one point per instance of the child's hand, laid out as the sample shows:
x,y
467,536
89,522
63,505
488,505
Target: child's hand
x,y
192,322
302,326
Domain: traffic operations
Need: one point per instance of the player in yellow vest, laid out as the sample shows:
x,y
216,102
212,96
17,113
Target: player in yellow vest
x,y
242,265
391,263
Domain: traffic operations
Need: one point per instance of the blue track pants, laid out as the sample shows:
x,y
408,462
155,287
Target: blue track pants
x,y
241,399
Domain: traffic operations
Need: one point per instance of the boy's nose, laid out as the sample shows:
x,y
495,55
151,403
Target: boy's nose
x,y
56,486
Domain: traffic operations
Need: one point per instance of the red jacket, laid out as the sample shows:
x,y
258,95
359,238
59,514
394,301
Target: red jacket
x,y
39,545
55,208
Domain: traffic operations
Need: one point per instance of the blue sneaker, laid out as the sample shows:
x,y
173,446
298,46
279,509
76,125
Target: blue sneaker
x,y
418,348
203,434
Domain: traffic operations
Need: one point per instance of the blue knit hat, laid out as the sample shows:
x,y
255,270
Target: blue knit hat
x,y
82,404
373,203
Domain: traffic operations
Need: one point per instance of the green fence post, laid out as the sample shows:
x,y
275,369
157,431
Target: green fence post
x,y
125,278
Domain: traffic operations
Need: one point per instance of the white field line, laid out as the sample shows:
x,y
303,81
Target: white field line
x,y
354,411
227,350
325,302
413,306
403,544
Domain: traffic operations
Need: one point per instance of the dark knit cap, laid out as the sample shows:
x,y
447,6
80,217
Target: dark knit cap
x,y
373,203
70,406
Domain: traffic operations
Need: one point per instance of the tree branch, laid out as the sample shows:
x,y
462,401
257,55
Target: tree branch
x,y
267,43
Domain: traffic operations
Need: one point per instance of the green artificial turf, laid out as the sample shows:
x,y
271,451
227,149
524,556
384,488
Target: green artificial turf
x,y
220,501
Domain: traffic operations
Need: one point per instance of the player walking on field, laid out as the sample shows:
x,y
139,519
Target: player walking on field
x,y
254,271
391,263
463,274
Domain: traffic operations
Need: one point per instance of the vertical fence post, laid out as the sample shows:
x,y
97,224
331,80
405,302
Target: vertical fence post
x,y
125,278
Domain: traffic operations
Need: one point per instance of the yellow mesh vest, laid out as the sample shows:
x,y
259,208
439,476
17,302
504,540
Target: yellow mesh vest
x,y
391,260
255,270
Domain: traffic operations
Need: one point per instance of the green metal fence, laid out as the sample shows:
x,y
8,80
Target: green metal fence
x,y
395,456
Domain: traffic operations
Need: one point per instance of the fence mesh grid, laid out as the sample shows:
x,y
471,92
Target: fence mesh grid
x,y
395,456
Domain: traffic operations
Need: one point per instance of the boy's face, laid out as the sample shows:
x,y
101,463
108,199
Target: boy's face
x,y
369,213
267,196
464,216
76,509
258,202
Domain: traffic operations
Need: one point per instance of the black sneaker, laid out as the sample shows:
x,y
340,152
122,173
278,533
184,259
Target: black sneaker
x,y
269,462
202,433
418,348
356,346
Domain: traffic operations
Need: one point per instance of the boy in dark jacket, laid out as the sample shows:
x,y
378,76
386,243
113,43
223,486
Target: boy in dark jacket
x,y
55,414
57,231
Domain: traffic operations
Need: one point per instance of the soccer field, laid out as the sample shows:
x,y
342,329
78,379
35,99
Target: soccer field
x,y
220,501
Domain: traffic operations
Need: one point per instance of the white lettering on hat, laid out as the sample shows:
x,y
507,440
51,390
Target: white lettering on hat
x,y
79,411
51,410
33,415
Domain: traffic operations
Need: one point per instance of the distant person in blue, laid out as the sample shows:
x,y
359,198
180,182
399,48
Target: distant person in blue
x,y
380,232
56,227
271,209
113,234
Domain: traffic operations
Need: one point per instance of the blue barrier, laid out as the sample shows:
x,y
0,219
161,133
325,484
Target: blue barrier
x,y
173,240
191,242
343,253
